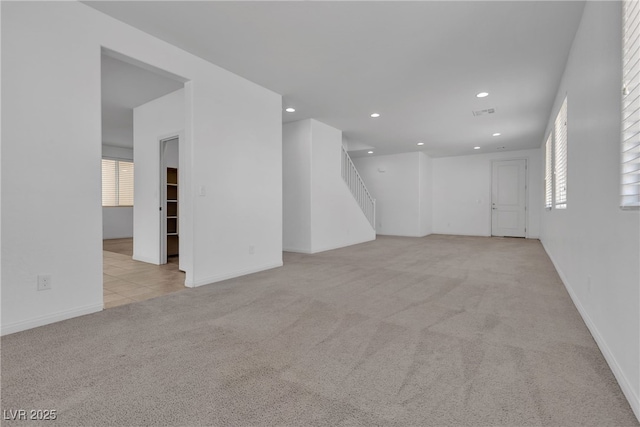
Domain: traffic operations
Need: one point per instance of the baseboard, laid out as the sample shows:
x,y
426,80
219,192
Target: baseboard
x,y
50,318
448,233
625,384
332,247
532,236
145,259
296,250
213,279
400,235
324,249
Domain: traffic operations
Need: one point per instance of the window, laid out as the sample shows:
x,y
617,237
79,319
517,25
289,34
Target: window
x,y
630,170
117,183
548,173
555,162
560,156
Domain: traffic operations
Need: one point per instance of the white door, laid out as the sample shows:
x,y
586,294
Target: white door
x,y
508,198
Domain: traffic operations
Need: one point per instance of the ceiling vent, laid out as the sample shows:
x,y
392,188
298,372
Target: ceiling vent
x,y
484,112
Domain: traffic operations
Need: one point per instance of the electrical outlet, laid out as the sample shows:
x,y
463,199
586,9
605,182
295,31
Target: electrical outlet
x,y
44,282
252,249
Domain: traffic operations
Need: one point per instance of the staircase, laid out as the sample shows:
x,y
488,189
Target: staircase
x,y
359,191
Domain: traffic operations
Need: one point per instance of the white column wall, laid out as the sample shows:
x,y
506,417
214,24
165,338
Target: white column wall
x,y
426,194
296,186
237,161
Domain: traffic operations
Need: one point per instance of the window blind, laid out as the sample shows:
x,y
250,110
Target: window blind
x,y
548,173
109,184
125,183
630,170
117,183
560,162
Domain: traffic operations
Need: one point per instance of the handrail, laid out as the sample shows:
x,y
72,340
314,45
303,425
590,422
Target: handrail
x,y
359,191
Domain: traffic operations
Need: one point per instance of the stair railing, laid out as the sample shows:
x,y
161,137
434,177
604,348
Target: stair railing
x,y
358,189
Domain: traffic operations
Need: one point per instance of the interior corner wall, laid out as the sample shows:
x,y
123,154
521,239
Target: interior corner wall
x,y
51,151
595,245
160,118
399,183
117,221
462,192
296,186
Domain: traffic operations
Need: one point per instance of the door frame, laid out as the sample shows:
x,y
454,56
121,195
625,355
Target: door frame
x,y
526,194
162,192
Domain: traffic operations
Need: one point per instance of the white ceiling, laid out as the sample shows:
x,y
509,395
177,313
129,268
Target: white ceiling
x,y
125,86
419,64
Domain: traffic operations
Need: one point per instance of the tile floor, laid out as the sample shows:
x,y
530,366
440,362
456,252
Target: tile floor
x,y
126,281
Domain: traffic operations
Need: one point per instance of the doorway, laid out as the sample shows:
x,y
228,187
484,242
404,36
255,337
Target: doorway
x,y
509,198
169,203
129,277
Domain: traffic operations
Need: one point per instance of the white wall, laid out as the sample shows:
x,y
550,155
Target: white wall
x,y
117,221
51,150
237,163
401,185
114,152
336,217
163,117
462,192
426,194
296,186
319,211
171,155
594,245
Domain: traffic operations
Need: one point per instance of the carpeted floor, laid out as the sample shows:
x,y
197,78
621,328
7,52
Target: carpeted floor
x,y
442,330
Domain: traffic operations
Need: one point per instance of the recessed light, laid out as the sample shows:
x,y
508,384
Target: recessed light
x,y
497,134
290,110
476,148
375,115
482,94
370,152
420,143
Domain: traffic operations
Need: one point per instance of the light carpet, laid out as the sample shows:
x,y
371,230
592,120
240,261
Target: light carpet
x,y
434,331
